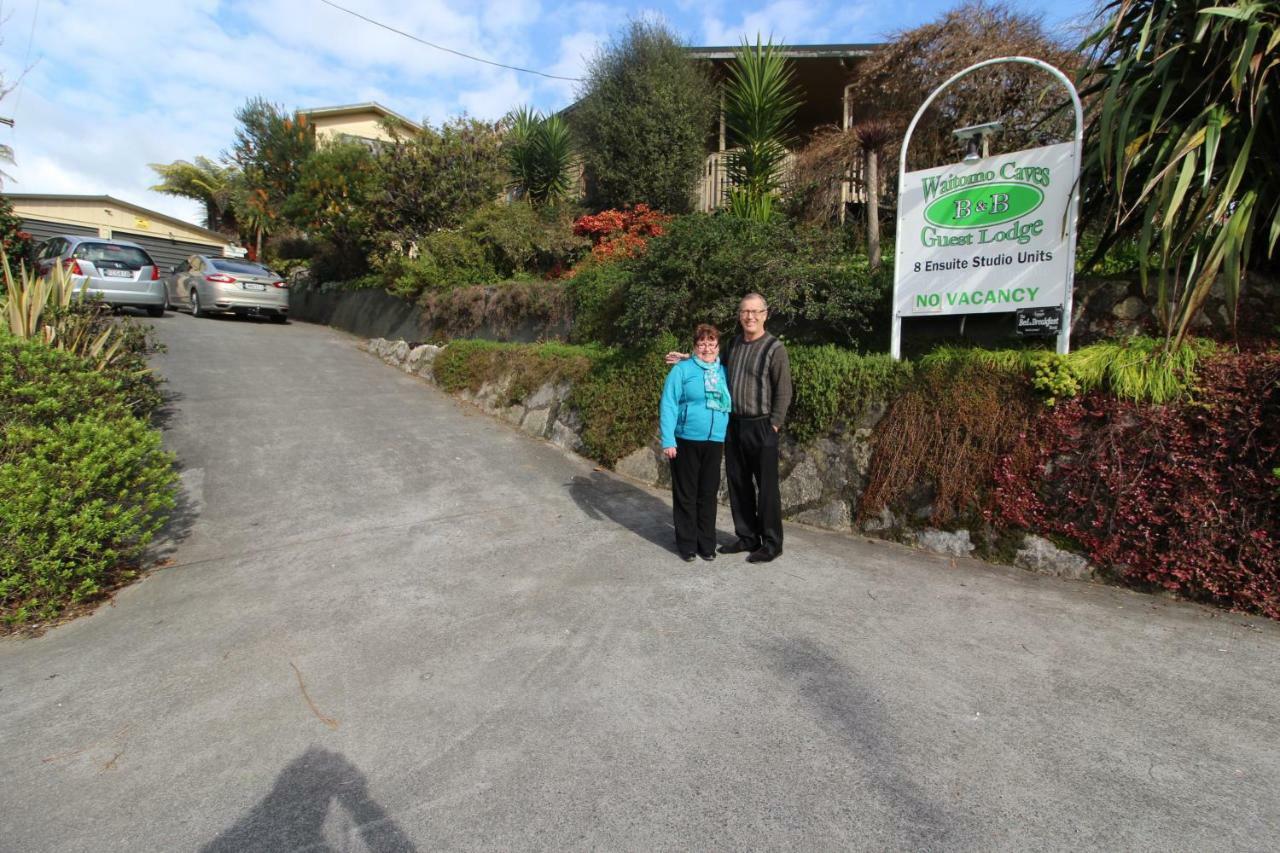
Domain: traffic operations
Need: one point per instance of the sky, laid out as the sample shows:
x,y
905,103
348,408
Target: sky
x,y
99,89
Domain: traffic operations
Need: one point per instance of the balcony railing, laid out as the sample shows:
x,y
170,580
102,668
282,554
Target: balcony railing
x,y
713,187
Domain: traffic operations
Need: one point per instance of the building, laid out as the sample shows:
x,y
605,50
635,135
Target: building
x,y
370,124
823,77
167,239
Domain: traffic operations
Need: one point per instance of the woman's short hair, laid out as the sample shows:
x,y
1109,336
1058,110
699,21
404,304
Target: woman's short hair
x,y
706,330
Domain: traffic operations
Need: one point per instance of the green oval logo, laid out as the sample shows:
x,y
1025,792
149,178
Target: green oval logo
x,y
988,204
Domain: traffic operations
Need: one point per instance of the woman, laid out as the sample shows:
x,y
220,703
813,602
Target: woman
x,y
695,411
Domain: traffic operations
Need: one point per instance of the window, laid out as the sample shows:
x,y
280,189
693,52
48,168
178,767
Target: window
x,y
239,267
129,257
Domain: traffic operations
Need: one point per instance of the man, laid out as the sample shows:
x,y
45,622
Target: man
x,y
759,376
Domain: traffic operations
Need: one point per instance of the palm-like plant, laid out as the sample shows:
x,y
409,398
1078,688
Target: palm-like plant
x,y
1182,142
873,136
255,213
540,156
210,183
759,105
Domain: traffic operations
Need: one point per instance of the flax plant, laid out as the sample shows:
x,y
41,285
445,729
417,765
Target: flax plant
x,y
37,307
1182,141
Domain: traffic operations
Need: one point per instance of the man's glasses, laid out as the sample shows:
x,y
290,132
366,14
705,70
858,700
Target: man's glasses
x,y
747,312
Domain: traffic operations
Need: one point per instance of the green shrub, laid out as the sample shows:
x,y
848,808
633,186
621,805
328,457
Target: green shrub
x,y
832,386
470,364
83,482
596,298
445,260
42,386
1137,368
700,268
618,399
524,239
501,308
642,121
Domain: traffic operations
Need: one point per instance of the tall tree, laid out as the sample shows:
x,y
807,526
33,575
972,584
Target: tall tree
x,y
643,117
203,180
331,205
893,82
270,147
433,180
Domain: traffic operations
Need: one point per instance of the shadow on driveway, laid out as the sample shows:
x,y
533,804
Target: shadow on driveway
x,y
293,815
600,496
840,699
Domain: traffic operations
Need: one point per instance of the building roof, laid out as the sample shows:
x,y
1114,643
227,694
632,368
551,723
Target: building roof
x,y
355,109
106,199
791,51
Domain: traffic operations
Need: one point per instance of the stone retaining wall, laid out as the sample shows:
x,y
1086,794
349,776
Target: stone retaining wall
x,y
378,314
821,480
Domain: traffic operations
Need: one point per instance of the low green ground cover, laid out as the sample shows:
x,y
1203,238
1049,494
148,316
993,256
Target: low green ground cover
x,y
84,483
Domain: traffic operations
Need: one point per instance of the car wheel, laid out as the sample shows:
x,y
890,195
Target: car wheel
x,y
195,303
155,310
279,318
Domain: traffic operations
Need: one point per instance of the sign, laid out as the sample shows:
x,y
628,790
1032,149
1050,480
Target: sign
x,y
991,235
1039,322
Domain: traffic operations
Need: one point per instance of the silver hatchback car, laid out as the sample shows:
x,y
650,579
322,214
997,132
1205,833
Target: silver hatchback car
x,y
122,273
212,285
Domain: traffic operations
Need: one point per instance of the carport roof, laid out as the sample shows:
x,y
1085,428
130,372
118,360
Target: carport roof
x,y
214,236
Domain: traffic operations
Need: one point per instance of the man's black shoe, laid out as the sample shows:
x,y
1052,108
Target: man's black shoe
x,y
688,558
737,547
761,556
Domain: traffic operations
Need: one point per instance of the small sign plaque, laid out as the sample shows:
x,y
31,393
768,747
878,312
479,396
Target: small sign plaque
x,y
1039,322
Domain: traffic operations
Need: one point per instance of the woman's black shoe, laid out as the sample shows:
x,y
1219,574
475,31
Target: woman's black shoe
x,y
688,558
708,557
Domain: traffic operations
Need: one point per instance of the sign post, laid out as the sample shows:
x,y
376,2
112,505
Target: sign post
x,y
993,234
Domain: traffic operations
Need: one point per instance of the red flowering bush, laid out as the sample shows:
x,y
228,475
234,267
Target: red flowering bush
x,y
1182,496
617,234
15,242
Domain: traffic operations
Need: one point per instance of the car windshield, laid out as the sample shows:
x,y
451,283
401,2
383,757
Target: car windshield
x,y
240,267
129,256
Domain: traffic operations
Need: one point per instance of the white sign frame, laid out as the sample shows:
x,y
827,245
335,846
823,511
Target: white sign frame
x,y
1064,335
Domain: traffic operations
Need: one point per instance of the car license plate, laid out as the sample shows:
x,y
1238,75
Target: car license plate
x,y
250,285
118,273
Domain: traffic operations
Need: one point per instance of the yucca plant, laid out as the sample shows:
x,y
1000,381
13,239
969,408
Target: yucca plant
x,y
540,156
759,105
1181,144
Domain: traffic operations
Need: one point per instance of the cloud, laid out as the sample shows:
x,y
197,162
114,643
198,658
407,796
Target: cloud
x,y
787,21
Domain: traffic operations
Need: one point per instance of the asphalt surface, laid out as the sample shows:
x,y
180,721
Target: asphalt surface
x,y
392,623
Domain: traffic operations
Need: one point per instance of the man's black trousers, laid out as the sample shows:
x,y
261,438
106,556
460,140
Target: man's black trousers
x,y
695,479
751,464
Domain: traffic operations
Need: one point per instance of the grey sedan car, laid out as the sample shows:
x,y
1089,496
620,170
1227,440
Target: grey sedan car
x,y
122,273
212,285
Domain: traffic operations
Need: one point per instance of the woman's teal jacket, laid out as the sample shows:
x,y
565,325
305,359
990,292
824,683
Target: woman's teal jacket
x,y
684,412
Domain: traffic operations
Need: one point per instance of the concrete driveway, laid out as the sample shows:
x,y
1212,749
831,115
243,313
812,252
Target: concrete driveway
x,y
392,623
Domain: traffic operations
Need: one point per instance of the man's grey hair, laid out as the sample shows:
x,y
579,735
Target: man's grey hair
x,y
763,301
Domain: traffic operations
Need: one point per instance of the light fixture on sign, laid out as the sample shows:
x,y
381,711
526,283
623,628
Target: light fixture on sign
x,y
977,139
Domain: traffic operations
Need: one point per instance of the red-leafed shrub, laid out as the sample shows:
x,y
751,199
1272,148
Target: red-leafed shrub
x,y
1182,496
617,234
